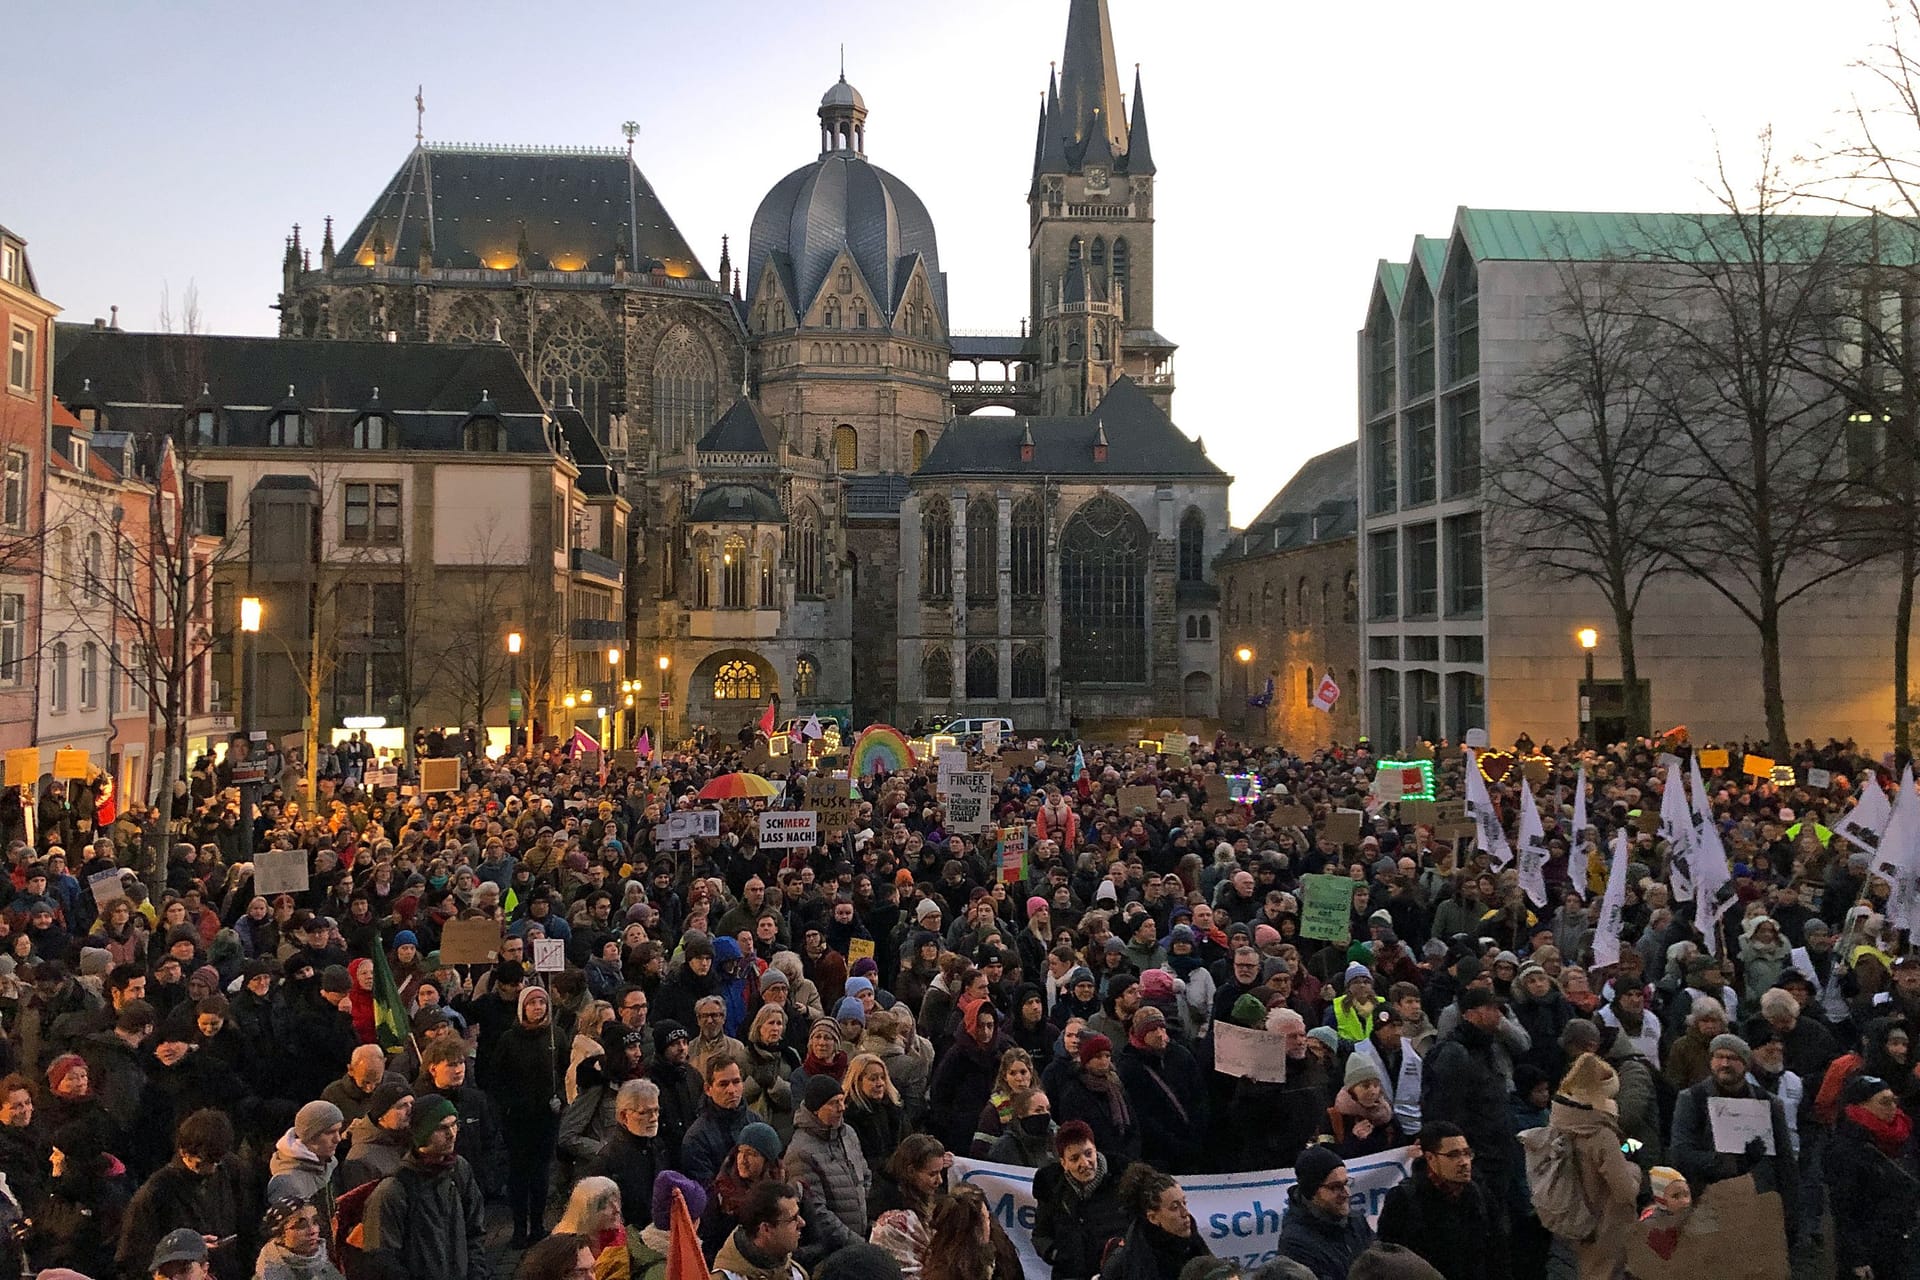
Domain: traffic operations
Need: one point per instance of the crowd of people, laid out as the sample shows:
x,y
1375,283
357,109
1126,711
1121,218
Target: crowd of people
x,y
788,1048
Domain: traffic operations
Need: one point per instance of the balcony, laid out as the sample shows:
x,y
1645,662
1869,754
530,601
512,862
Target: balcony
x,y
581,560
596,630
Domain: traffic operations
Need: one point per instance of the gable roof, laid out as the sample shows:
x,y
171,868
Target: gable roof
x,y
1333,476
740,430
1141,441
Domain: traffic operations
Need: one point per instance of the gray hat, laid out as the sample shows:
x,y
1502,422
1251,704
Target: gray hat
x,y
182,1244
1730,1043
316,1118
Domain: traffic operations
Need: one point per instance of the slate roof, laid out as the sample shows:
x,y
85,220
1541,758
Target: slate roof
x,y
596,474
736,504
1084,120
143,381
1319,504
739,430
576,205
842,201
1141,441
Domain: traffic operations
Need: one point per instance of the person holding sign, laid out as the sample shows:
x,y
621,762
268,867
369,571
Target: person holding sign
x,y
1705,1149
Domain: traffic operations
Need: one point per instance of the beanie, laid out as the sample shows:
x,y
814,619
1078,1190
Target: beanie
x,y
405,938
1861,1086
667,1031
315,1119
1250,1011
854,986
1181,933
1731,1043
1360,1069
57,1070
1326,1036
385,1096
1356,971
1157,984
761,1137
95,961
820,1091
859,1262
1265,935
1314,1166
1035,904
850,1010
695,943
427,1115
1143,1023
1077,975
1660,1177
664,1185
1092,1045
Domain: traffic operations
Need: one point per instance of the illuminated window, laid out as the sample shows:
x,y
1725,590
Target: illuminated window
x,y
736,681
846,448
806,677
733,573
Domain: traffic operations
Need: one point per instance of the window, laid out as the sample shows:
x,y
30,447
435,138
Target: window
x,y
846,448
137,676
1308,687
1027,550
291,430
1379,359
983,551
919,449
1350,598
89,676
703,572
13,498
57,677
20,359
1193,541
1423,648
1419,345
683,387
1460,445
1193,626
1120,276
1466,649
484,435
937,675
1383,469
202,427
1466,579
1326,600
388,602
1103,597
1029,673
372,431
983,674
13,638
1423,571
92,567
1421,464
1463,316
1206,627
1423,693
209,507
1383,684
1233,603
1466,702
1383,648
769,583
1383,576
806,551
733,572
936,557
1301,598
736,681
806,677
372,514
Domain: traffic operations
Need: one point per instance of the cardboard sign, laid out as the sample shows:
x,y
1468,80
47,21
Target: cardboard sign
x,y
1138,797
1175,812
381,777
1647,821
1291,815
549,955
789,829
1733,1233
470,942
693,824
1326,907
1018,758
990,737
1249,1054
1738,1121
23,766
1013,854
1218,790
439,775
71,765
829,799
1342,826
1536,769
628,760
1820,779
1712,757
859,949
1387,785
1456,830
106,886
970,806
1419,813
1174,744
1755,766
280,871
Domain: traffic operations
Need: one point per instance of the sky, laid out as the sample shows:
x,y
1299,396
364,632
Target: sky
x,y
174,144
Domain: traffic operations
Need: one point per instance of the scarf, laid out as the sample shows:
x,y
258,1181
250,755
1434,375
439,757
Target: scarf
x,y
1380,1114
1890,1136
835,1066
1109,1088
1182,966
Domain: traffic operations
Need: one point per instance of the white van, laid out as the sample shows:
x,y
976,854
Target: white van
x,y
969,727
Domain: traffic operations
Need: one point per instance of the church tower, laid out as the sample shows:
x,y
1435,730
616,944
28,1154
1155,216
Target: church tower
x,y
1090,240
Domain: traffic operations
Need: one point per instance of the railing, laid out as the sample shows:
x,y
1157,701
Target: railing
x,y
347,274
595,629
1099,210
583,561
1024,387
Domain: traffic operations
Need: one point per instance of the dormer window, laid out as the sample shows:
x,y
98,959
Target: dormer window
x,y
290,430
372,431
77,450
203,426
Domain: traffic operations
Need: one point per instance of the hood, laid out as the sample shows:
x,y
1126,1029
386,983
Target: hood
x,y
520,1007
1574,1117
725,950
290,1155
276,1254
362,1131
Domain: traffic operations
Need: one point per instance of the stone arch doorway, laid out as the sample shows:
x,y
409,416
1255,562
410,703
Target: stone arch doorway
x,y
1197,695
730,688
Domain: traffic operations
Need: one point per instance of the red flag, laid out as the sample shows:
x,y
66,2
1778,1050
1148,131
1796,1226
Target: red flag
x,y
684,1259
766,722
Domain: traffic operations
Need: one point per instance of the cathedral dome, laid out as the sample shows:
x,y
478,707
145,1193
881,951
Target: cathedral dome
x,y
843,202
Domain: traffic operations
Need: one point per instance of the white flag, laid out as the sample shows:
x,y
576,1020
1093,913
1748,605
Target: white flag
x,y
812,728
1898,858
1676,828
1711,874
1606,934
1490,837
1577,838
1868,817
1532,839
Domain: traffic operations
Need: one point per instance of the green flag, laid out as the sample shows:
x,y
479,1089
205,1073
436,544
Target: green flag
x,y
389,1011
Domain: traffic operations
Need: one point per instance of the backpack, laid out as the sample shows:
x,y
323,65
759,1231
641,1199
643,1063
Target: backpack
x,y
1553,1175
349,1230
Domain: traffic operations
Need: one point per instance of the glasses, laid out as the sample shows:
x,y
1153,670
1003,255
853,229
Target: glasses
x,y
1458,1153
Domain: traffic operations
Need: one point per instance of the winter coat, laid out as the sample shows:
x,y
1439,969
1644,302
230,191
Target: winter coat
x,y
1072,1224
481,1143
1543,1020
372,1153
588,1121
828,1162
632,1163
768,1091
1609,1182
710,1140
680,1103
529,1066
1279,1119
427,1223
78,1224
1462,1084
910,1067
731,1263
1876,1201
879,1126
1169,1095
1449,1231
277,1262
1148,1253
962,1082
1077,1100
217,1204
1693,1154
296,1171
1325,1246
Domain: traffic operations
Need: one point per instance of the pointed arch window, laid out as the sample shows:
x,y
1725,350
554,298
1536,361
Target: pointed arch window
x,y
1193,541
1418,343
702,573
1029,673
1121,265
806,551
846,447
1301,603
769,597
1074,249
983,551
1103,595
806,676
1462,315
1097,261
737,681
733,572
983,673
1027,554
683,388
936,557
937,675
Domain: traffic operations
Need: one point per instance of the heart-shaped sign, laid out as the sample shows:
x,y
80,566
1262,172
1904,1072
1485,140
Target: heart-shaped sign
x,y
1497,766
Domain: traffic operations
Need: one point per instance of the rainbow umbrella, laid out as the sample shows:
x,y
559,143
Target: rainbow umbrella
x,y
739,786
880,747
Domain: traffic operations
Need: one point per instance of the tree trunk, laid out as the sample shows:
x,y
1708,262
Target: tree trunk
x,y
1772,694
1636,715
1902,640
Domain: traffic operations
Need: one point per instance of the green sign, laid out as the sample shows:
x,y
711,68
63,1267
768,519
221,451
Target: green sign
x,y
1326,907
513,705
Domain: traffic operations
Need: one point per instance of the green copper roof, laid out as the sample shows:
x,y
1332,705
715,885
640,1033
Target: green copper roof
x,y
1543,235
1431,253
1393,281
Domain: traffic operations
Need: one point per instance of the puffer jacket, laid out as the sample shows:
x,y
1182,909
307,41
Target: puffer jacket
x,y
828,1163
1324,1246
427,1223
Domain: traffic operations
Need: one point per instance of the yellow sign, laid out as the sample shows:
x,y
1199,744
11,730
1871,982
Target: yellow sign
x,y
71,763
23,766
1757,766
859,949
1713,757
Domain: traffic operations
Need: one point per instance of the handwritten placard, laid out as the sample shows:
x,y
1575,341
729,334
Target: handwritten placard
x,y
441,774
280,871
1326,908
470,942
1137,797
23,766
70,764
1249,1053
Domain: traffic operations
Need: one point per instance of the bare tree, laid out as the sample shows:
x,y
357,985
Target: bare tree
x,y
465,631
1586,481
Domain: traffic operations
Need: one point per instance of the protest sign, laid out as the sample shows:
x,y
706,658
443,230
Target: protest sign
x,y
23,766
1175,811
666,841
1237,1215
1342,826
381,778
1290,815
970,803
1820,779
1018,758
859,949
831,800
990,737
1173,744
1738,1121
1326,907
1387,785
1712,757
70,765
549,955
789,829
1013,854
106,886
1647,821
1249,1053
280,871
1734,1233
1756,766
439,774
1219,792
1139,797
1243,788
470,942
692,824
1419,813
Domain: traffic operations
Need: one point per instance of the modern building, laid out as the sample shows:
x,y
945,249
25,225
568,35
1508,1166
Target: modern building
x,y
1291,588
1456,638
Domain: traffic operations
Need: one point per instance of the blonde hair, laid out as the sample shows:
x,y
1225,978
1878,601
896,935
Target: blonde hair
x,y
590,1196
594,1019
857,1067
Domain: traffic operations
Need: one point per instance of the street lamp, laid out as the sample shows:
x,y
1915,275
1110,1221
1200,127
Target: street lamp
x,y
1245,655
1588,638
613,672
665,698
513,678
251,610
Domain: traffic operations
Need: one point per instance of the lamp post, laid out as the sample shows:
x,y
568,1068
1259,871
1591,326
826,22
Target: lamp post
x,y
251,610
1588,638
665,700
1245,655
613,690
513,679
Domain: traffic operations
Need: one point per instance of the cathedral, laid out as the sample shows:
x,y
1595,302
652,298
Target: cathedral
x,y
837,500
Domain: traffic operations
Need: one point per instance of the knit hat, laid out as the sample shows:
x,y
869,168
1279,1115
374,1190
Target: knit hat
x,y
1327,1036
1035,904
850,1010
865,967
1181,933
820,1091
334,978
854,986
666,1031
927,907
1355,971
315,1119
1143,1022
1859,1087
405,938
1157,984
1660,1177
1589,1080
427,1115
773,978
1248,1011
859,1262
1265,935
1731,1043
385,1097
695,943
1077,975
1312,1167
57,1069
1360,1068
1092,1045
664,1185
761,1137
1106,892
95,962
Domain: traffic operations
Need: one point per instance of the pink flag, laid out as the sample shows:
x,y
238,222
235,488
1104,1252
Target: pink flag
x,y
643,745
581,741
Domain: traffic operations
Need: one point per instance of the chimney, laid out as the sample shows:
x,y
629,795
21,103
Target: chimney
x,y
1100,442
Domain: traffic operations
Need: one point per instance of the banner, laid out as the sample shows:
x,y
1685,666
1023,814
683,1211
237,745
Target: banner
x,y
1606,932
1490,837
1533,847
1237,1214
789,829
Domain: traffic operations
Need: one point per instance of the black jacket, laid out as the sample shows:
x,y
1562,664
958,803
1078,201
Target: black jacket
x,y
632,1163
217,1204
427,1224
1451,1232
1152,1254
1071,1227
482,1143
1324,1246
711,1140
1461,1084
1169,1096
680,1101
1875,1201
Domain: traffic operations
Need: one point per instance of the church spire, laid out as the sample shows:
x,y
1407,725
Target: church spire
x,y
1089,77
1139,151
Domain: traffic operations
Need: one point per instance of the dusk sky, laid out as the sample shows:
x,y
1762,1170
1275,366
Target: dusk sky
x,y
153,146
